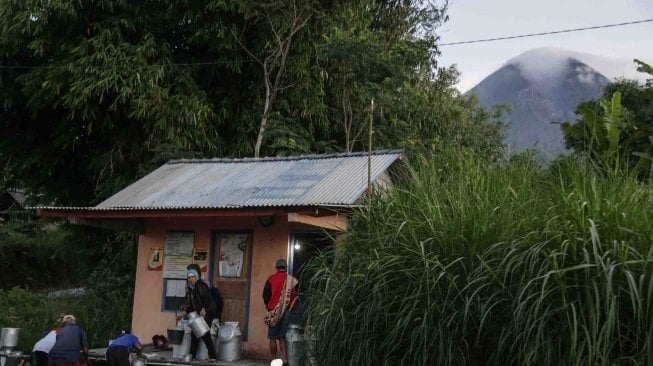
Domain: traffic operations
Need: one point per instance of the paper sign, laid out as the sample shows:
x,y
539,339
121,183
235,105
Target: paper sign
x,y
155,262
232,252
201,258
178,253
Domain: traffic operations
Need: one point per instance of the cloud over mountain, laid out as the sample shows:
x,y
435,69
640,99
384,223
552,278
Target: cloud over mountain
x,y
542,87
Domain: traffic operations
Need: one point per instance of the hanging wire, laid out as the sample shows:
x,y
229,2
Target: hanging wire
x,y
547,33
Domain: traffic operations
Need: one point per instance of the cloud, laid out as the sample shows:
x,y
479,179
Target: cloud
x,y
586,74
542,66
548,62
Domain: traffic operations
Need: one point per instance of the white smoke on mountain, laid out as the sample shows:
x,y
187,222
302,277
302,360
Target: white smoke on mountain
x,y
586,74
543,87
544,65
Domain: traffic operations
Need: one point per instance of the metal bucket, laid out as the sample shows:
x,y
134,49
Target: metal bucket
x,y
202,353
9,337
215,328
293,344
230,342
139,362
10,360
197,324
175,336
202,350
181,350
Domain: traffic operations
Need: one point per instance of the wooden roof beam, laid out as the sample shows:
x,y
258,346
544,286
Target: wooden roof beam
x,y
336,221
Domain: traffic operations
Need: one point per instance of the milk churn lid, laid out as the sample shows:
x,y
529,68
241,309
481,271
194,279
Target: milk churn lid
x,y
226,332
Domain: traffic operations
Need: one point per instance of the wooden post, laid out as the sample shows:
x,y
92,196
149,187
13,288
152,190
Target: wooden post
x,y
369,155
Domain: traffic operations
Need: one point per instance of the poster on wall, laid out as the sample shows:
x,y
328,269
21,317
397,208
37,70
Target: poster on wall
x,y
201,258
155,261
178,253
232,253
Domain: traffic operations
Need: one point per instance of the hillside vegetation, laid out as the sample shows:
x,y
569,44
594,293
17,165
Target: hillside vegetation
x,y
103,309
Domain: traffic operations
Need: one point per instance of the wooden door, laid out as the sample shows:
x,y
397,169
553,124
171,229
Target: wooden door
x,y
232,275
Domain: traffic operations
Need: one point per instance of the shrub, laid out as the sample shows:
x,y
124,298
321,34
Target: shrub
x,y
475,263
35,314
102,311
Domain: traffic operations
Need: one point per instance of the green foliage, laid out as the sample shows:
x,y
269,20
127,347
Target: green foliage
x,y
96,94
33,255
35,314
107,305
604,132
481,263
617,131
34,252
647,69
96,90
39,257
103,310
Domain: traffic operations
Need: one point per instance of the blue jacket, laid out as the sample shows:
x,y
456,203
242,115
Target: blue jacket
x,y
126,340
70,342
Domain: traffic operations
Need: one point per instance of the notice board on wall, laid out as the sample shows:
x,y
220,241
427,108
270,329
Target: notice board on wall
x,y
178,254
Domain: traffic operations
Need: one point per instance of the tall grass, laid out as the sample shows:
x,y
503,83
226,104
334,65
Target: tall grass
x,y
474,263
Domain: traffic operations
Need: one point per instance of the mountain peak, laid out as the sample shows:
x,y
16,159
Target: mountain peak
x,y
611,67
547,67
542,60
543,87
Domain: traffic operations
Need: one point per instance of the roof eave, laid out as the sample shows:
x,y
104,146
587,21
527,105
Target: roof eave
x,y
123,213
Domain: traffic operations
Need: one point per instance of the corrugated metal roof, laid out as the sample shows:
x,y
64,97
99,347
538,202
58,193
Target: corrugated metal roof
x,y
310,180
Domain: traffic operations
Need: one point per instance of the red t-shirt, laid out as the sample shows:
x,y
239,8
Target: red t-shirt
x,y
275,283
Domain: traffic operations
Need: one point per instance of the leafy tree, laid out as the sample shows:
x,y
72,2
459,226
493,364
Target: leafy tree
x,y
92,90
96,93
617,130
361,58
285,19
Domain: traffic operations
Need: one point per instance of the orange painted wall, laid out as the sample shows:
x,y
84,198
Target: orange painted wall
x,y
269,244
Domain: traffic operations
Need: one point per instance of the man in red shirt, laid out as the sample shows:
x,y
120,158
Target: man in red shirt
x,y
276,291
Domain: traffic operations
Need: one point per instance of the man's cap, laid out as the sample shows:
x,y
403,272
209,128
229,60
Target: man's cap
x,y
69,319
281,263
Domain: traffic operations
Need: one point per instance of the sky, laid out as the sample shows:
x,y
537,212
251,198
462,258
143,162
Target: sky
x,y
612,48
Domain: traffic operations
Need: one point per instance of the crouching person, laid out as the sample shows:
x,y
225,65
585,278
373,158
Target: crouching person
x,y
71,346
119,350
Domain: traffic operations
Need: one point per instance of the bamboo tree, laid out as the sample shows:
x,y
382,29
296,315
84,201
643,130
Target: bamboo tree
x,y
95,95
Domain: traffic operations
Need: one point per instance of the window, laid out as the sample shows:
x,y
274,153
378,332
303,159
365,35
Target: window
x,y
174,294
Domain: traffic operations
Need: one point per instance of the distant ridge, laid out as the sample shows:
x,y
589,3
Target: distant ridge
x,y
543,87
